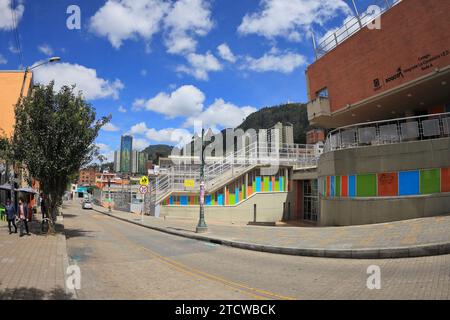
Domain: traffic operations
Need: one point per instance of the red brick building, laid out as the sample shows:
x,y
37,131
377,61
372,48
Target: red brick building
x,y
87,177
402,69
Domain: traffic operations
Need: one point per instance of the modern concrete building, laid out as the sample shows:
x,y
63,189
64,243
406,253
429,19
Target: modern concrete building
x,y
116,161
281,133
384,96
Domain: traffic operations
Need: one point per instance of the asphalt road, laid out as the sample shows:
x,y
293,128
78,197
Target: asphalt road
x,y
119,260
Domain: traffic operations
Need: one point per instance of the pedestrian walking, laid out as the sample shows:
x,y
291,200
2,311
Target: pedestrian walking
x,y
11,216
43,206
23,216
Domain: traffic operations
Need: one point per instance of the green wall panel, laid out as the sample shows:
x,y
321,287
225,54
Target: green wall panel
x,y
338,186
430,181
232,199
366,185
266,184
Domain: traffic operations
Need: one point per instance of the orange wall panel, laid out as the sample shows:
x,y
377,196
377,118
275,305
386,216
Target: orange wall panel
x,y
445,180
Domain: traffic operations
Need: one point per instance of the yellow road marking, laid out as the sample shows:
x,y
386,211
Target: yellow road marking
x,y
201,274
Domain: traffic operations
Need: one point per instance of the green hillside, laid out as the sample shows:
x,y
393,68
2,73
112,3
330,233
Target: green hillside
x,y
294,113
154,152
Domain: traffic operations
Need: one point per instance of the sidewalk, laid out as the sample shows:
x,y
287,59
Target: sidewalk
x,y
33,267
410,238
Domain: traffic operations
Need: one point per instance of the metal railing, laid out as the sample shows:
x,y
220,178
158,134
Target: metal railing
x,y
351,26
433,126
220,170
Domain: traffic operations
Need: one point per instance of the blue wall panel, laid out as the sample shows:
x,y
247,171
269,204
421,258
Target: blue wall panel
x,y
332,186
409,183
258,184
352,186
183,200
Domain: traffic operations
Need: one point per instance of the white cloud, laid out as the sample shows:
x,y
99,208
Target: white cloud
x,y
140,144
122,109
12,48
109,127
6,22
187,101
221,114
275,61
168,135
143,72
186,20
225,53
3,60
120,20
291,18
46,49
106,151
183,21
84,78
200,65
184,101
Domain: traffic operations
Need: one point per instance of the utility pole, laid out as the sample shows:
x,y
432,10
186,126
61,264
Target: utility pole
x,y
202,227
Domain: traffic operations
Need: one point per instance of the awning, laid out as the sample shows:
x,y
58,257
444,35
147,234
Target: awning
x,y
5,186
27,190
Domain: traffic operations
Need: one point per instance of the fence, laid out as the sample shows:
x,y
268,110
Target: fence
x,y
351,25
389,132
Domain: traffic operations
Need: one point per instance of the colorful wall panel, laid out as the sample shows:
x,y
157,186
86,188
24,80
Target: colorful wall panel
x,y
408,183
235,192
366,185
388,184
445,180
430,181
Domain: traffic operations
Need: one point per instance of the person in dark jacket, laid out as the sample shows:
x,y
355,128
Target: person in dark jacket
x,y
11,216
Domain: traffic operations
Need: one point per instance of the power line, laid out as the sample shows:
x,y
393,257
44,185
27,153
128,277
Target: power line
x,y
16,32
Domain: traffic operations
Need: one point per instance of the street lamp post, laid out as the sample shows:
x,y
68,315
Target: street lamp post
x,y
202,227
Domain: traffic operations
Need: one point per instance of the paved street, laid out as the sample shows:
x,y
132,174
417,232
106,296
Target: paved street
x,y
397,234
119,260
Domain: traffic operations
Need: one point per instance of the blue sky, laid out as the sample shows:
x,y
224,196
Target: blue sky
x,y
160,65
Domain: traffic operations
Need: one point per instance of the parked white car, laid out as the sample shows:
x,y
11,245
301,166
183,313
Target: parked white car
x,y
87,204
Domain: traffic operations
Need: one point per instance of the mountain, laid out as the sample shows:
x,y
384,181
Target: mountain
x,y
295,113
154,152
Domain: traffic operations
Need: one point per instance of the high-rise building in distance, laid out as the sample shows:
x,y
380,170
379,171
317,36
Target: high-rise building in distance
x,y
126,147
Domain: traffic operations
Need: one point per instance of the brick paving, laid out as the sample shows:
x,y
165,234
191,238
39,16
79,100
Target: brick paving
x,y
424,231
32,267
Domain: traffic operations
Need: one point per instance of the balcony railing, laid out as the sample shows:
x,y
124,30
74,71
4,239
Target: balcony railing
x,y
351,26
393,131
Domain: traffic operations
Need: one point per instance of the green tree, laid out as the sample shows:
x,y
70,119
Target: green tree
x,y
54,137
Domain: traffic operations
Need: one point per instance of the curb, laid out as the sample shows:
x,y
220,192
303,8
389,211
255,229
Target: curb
x,y
369,253
66,259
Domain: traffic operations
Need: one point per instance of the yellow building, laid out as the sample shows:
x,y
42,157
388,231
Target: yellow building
x,y
11,84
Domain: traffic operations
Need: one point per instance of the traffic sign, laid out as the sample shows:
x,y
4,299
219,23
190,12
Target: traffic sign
x,y
144,181
143,189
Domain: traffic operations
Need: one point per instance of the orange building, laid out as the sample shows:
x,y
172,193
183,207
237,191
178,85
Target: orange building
x,y
11,84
